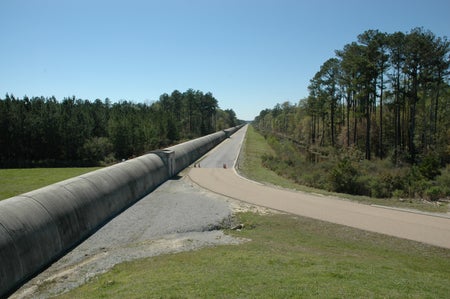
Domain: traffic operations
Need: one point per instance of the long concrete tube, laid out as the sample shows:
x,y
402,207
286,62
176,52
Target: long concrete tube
x,y
38,227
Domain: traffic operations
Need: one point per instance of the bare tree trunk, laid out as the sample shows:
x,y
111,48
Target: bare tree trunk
x,y
333,111
436,110
368,124
412,120
348,118
355,126
380,141
397,118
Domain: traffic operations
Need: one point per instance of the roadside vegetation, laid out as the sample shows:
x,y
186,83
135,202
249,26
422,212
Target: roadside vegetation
x,y
257,153
375,122
17,181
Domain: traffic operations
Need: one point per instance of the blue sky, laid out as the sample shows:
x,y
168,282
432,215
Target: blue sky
x,y
251,54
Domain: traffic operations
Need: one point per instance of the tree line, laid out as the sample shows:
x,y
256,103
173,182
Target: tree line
x,y
384,95
41,131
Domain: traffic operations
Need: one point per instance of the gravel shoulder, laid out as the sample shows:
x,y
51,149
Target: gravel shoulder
x,y
178,216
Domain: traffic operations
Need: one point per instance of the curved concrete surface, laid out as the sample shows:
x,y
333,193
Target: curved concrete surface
x,y
418,227
38,227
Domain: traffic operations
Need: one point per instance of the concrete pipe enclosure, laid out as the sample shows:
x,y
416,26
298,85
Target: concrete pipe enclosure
x,y
38,227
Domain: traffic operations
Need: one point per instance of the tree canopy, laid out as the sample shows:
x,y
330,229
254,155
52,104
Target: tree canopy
x,y
41,131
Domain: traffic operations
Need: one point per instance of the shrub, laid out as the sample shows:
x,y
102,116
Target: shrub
x,y
343,177
443,181
314,178
96,149
269,161
379,187
363,185
385,183
415,182
429,166
398,193
434,193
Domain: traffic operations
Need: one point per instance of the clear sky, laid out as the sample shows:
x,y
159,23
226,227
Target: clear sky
x,y
251,54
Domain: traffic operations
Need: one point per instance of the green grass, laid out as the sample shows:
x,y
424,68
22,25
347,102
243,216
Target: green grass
x,y
251,167
17,181
287,257
250,163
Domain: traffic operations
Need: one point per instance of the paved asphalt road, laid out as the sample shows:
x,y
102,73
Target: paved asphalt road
x,y
414,226
225,154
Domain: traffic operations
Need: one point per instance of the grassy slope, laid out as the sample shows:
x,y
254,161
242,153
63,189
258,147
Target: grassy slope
x,y
250,162
287,256
17,181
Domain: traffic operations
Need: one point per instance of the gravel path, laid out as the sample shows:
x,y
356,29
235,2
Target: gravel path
x,y
178,216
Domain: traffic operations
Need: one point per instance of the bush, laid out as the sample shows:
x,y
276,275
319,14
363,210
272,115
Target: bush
x,y
398,193
415,182
314,178
379,188
363,185
96,149
443,181
269,161
343,177
434,193
429,166
385,183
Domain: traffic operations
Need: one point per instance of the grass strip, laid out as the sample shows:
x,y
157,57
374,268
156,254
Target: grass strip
x,y
250,163
17,181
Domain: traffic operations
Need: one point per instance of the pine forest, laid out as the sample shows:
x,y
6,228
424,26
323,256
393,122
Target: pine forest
x,y
45,132
376,121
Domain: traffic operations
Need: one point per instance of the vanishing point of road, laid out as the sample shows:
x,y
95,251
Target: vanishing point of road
x,y
217,174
